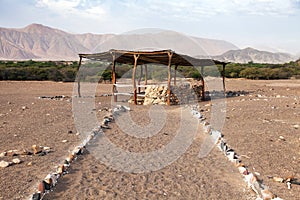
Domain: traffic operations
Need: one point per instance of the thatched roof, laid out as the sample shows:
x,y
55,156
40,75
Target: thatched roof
x,y
146,57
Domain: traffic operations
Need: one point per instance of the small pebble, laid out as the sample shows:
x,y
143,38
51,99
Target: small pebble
x,y
282,138
289,185
46,148
257,173
278,179
16,161
4,164
2,154
64,141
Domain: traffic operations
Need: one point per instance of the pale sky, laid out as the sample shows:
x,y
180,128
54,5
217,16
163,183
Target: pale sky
x,y
272,25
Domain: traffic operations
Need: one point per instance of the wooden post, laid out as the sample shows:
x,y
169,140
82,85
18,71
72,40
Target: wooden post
x,y
139,80
223,75
175,74
78,76
203,84
136,56
146,75
113,77
170,54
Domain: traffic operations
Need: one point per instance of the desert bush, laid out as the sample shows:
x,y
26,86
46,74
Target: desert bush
x,y
37,70
67,71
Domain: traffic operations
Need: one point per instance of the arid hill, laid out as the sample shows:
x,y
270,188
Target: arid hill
x,y
41,42
37,41
253,55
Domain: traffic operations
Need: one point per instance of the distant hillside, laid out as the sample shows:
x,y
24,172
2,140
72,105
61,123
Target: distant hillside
x,y
254,55
37,41
41,42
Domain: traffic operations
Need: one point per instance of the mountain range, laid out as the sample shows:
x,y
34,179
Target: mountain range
x,y
40,42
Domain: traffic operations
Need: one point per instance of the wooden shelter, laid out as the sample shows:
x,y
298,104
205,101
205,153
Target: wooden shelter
x,y
135,58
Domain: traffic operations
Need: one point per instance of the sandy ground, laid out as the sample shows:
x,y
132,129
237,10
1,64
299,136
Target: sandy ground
x,y
253,126
43,122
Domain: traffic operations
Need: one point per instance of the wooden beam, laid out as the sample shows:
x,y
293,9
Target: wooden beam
x,y
146,75
146,57
113,77
203,84
136,56
170,54
78,76
175,74
139,80
223,76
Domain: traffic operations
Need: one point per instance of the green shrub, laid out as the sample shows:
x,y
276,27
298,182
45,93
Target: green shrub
x,y
67,71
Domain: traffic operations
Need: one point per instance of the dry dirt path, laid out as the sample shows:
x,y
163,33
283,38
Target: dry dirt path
x,y
189,177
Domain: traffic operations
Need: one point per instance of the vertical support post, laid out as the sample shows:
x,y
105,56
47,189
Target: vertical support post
x,y
78,76
139,80
113,77
203,84
146,75
136,56
170,54
175,74
223,76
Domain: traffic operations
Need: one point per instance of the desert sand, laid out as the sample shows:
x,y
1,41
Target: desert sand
x,y
261,126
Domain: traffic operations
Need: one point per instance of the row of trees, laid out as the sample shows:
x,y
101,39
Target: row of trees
x,y
36,70
67,71
263,71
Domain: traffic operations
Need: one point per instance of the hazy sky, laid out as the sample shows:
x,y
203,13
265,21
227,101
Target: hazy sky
x,y
265,24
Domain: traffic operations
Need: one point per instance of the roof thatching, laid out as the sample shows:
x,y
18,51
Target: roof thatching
x,y
147,57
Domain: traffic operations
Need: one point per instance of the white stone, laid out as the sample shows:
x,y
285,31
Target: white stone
x,y
156,101
2,154
242,169
257,173
289,185
230,155
281,137
4,164
64,141
266,194
16,161
127,108
46,148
